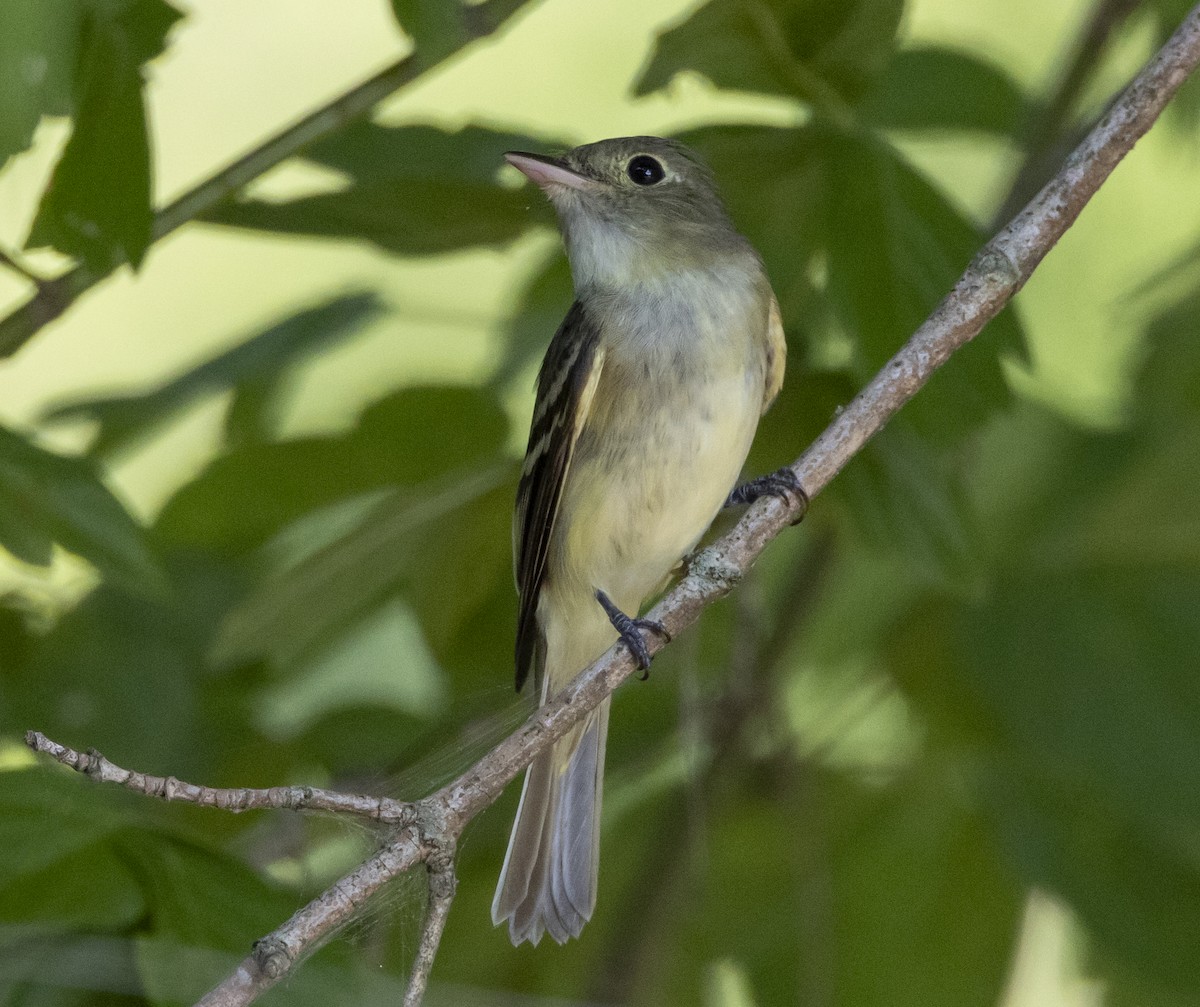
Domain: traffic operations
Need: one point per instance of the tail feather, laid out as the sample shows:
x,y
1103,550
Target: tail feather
x,y
548,882
577,836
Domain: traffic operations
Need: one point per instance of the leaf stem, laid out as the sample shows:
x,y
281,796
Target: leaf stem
x,y
10,260
1047,137
824,99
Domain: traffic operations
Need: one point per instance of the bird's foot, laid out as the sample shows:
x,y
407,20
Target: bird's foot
x,y
783,483
631,631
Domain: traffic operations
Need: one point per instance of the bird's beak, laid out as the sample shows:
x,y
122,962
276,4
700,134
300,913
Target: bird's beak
x,y
546,172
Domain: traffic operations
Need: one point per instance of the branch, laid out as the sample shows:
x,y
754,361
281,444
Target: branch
x,y
275,955
999,270
442,884
94,765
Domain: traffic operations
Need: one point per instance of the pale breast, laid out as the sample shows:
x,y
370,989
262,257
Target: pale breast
x,y
671,424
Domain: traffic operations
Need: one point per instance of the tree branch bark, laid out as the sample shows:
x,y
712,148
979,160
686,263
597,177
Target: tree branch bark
x,y
442,883
92,764
1000,269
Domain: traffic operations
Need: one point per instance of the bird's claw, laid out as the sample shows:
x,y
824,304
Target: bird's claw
x,y
631,630
782,483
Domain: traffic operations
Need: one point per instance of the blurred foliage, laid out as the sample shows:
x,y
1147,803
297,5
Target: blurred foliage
x,y
97,206
969,674
46,498
257,369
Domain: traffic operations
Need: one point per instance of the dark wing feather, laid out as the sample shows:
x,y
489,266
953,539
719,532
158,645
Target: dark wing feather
x,y
564,387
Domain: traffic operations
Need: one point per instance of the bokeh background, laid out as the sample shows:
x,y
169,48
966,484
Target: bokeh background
x,y
941,748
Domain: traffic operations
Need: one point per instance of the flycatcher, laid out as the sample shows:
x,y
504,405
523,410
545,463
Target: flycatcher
x,y
647,402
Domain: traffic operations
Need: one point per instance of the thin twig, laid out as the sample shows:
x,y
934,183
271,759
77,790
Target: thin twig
x,y
275,955
442,884
994,276
91,763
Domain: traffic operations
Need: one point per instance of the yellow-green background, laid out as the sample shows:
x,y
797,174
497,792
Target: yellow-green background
x,y
895,755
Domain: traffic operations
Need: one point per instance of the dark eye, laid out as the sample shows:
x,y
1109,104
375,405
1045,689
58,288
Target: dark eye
x,y
645,170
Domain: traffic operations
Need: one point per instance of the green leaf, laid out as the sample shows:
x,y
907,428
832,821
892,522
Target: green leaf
x,y
1087,674
82,814
480,654
1184,109
1138,897
821,51
456,574
935,88
1087,677
415,190
896,246
67,970
371,153
1169,378
875,896
200,896
295,609
440,28
98,204
145,24
126,420
17,630
380,733
257,408
421,217
899,490
38,46
79,856
114,656
1122,988
47,498
91,889
774,183
406,439
905,496
437,27
1071,676
541,307
43,55
926,909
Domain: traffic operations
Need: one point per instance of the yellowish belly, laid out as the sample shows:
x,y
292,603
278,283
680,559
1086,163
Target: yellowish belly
x,y
640,495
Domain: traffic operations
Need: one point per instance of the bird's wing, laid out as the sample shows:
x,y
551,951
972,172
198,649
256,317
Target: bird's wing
x,y
776,354
566,385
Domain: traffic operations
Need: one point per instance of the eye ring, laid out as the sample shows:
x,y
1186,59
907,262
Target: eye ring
x,y
645,170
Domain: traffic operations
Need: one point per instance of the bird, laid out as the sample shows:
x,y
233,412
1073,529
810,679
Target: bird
x,y
647,402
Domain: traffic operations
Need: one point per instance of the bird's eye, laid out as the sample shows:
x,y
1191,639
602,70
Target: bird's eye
x,y
645,170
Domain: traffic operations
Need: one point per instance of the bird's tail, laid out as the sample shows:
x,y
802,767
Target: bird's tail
x,y
548,882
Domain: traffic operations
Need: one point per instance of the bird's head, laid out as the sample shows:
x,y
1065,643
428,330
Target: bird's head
x,y
632,207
